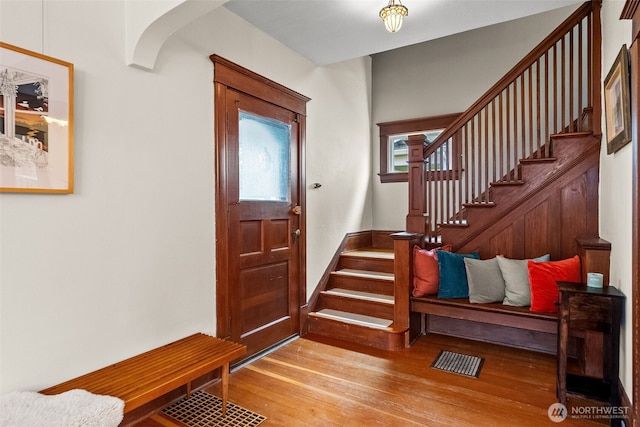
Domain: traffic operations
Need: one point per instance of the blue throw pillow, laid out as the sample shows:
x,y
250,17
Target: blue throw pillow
x,y
453,275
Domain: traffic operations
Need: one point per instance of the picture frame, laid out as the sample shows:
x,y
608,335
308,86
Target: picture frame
x,y
36,122
617,103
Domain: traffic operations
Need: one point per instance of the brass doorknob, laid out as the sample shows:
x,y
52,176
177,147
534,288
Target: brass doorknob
x,y
296,210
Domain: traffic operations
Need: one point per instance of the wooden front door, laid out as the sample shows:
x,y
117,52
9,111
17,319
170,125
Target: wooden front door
x,y
260,201
264,222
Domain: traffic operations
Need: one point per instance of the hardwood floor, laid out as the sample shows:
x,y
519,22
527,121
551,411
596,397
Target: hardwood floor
x,y
313,381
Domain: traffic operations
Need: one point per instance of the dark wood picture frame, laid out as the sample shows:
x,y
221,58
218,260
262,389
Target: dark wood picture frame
x,y
617,103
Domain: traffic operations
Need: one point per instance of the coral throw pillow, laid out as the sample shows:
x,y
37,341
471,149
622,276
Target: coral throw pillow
x,y
425,272
543,277
426,276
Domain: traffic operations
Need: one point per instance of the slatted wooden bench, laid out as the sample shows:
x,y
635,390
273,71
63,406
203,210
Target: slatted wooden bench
x,y
143,378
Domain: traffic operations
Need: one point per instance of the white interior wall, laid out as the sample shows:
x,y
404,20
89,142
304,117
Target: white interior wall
x,y
616,190
443,76
127,263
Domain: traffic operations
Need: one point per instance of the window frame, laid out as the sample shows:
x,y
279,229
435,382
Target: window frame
x,y
402,127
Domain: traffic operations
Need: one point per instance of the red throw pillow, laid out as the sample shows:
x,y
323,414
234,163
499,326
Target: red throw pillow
x,y
543,277
426,277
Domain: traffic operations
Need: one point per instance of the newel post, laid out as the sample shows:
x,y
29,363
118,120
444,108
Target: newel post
x,y
416,222
595,255
403,271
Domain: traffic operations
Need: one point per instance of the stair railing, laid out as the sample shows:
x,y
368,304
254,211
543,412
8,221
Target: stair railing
x,y
554,89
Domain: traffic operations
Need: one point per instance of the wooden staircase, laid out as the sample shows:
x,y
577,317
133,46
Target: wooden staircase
x,y
515,174
356,300
572,169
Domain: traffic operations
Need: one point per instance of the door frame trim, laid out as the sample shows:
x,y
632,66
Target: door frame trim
x,y
228,75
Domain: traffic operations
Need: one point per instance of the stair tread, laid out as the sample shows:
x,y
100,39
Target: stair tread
x,y
353,318
361,295
479,205
364,273
539,160
370,253
497,183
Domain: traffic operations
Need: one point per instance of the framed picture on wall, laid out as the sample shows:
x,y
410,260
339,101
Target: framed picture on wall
x,y
36,122
617,103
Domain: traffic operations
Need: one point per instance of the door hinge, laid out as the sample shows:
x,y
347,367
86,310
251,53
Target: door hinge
x,y
296,118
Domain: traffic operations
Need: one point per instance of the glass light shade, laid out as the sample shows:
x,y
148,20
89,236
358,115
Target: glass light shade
x,y
392,15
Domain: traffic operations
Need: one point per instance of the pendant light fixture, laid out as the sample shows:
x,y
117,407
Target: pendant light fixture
x,y
392,15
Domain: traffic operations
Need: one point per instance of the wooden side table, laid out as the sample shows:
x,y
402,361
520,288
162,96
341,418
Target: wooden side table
x,y
592,317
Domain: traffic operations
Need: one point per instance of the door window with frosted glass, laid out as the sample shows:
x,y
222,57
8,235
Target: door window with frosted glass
x,y
263,158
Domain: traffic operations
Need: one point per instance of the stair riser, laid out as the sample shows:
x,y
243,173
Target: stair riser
x,y
452,234
538,171
351,305
377,338
384,287
370,264
472,213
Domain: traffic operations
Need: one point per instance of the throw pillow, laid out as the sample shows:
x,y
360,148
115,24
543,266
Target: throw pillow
x,y
516,279
453,275
426,276
543,277
425,272
485,280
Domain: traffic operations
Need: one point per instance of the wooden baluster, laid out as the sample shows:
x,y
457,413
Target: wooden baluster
x,y
500,138
493,139
547,139
597,70
563,64
486,156
508,131
458,144
467,171
525,113
516,121
538,135
589,62
474,170
571,89
580,72
443,206
555,94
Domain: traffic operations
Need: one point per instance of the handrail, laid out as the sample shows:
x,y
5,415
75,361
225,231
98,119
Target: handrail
x,y
511,76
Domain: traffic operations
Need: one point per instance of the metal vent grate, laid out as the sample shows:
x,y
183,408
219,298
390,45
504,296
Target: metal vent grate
x,y
205,410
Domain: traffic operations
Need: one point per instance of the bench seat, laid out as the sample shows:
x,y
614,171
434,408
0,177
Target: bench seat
x,y
143,378
494,313
491,322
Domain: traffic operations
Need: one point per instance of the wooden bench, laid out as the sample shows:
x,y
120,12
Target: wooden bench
x,y
143,378
494,322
